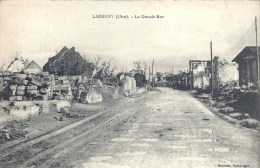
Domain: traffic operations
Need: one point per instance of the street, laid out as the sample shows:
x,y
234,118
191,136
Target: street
x,y
161,129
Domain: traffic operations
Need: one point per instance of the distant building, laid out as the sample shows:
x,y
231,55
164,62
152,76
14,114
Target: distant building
x,y
68,62
16,66
133,72
247,65
32,67
20,65
228,73
200,71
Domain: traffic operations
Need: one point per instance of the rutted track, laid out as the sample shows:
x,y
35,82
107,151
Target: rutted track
x,y
18,146
36,151
43,156
102,130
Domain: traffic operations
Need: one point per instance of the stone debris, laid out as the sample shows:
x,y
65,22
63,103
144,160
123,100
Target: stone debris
x,y
90,97
141,90
99,84
43,86
129,86
23,111
115,94
61,105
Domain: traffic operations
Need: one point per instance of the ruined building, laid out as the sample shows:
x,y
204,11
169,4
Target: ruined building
x,y
67,62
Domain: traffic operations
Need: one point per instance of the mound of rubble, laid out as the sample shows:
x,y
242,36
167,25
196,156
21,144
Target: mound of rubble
x,y
43,86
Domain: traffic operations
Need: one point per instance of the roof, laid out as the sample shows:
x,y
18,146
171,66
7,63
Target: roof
x,y
247,50
32,65
57,56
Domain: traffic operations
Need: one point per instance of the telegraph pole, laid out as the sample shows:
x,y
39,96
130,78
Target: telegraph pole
x,y
212,89
172,78
149,78
152,75
257,57
190,69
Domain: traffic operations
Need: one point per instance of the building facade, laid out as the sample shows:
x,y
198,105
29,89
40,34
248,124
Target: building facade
x,y
247,65
67,62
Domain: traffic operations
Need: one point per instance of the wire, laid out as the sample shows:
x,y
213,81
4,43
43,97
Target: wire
x,y
242,42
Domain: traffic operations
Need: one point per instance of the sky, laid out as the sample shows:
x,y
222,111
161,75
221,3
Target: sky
x,y
38,29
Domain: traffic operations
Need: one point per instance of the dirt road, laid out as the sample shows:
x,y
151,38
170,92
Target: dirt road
x,y
164,129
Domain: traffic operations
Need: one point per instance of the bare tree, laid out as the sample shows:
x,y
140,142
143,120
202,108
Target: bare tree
x,y
15,56
102,66
137,65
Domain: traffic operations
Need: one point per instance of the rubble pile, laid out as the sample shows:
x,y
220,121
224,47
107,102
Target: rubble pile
x,y
43,86
62,89
91,96
129,86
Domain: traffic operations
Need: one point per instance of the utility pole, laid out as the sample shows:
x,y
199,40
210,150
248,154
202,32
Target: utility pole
x,y
190,69
149,78
152,75
212,89
257,57
172,78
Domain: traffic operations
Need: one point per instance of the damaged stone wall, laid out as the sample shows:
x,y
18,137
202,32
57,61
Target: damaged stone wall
x,y
43,86
228,73
129,86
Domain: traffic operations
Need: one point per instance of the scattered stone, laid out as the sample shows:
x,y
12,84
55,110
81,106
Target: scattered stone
x,y
141,90
18,98
226,110
13,87
32,92
43,91
246,116
220,104
238,116
20,81
12,98
21,76
58,118
59,97
62,78
90,97
115,94
64,110
31,87
46,79
7,136
62,104
129,85
205,119
41,97
45,74
99,84
250,123
65,82
20,90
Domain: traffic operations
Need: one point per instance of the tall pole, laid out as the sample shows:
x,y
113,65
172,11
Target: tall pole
x,y
152,75
149,78
172,78
190,65
211,67
257,57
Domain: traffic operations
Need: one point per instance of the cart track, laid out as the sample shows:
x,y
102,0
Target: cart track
x,y
45,155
